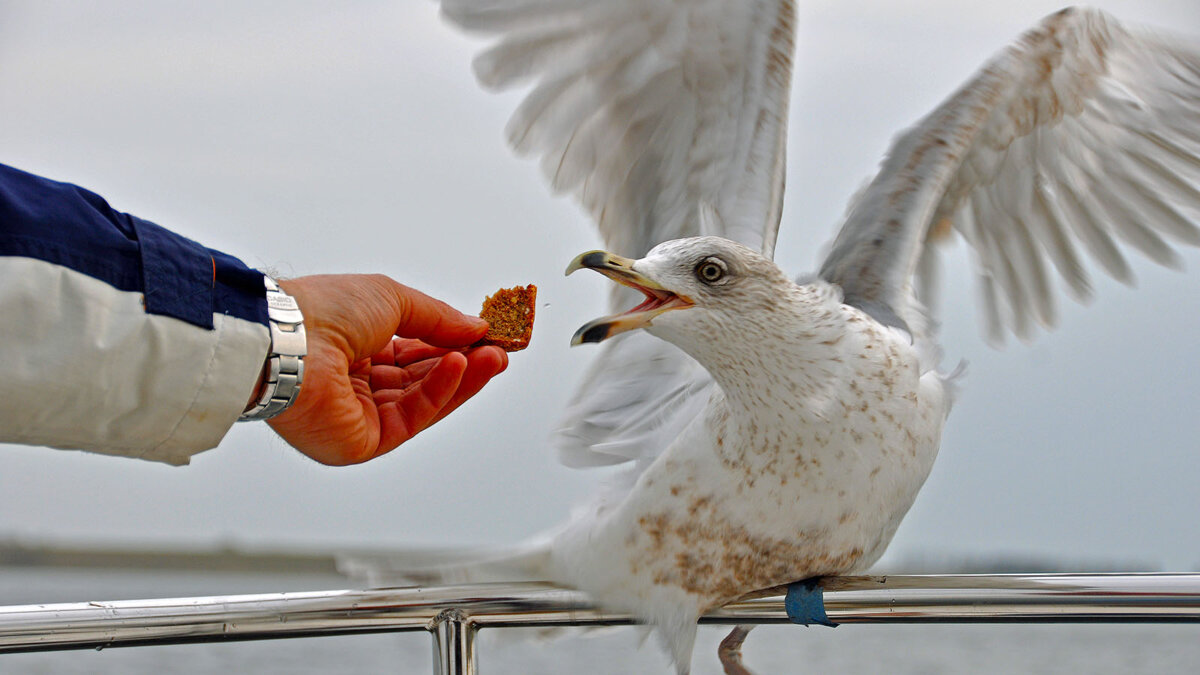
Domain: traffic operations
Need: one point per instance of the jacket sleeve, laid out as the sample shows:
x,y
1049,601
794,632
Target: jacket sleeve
x,y
116,335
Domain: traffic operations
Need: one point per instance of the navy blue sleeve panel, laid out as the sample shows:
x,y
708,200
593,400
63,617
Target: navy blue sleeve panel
x,y
67,225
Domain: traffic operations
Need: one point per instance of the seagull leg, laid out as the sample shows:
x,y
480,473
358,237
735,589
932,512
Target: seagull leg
x,y
730,651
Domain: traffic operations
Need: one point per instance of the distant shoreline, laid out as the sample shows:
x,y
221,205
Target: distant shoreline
x,y
215,560
228,559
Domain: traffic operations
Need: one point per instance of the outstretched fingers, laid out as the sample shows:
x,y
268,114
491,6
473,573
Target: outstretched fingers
x,y
412,398
482,365
405,412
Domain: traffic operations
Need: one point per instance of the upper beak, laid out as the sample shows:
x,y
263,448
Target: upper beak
x,y
659,299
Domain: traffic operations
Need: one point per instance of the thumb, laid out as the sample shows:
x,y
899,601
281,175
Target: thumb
x,y
433,321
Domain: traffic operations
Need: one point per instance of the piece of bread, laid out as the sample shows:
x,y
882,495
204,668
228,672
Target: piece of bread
x,y
509,313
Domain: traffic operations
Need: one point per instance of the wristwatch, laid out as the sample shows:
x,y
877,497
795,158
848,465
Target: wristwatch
x,y
284,367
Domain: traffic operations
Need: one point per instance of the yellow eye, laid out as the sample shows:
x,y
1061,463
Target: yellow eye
x,y
710,270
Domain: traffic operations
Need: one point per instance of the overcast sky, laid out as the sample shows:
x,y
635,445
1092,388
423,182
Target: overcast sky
x,y
313,137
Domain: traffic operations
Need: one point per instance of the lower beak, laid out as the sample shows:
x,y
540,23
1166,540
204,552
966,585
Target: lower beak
x,y
659,299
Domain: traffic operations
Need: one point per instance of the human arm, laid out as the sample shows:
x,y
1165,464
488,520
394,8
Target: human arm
x,y
121,337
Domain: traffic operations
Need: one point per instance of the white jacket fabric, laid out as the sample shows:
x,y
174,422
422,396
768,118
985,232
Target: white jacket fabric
x,y
116,335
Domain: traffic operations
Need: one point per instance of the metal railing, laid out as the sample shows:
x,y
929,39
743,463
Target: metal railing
x,y
454,614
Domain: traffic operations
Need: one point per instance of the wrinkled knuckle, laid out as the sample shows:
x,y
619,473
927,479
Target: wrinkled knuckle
x,y
381,280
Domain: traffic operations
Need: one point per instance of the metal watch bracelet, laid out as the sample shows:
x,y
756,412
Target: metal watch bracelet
x,y
285,364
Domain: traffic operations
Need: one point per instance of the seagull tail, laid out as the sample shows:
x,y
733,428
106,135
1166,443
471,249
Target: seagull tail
x,y
679,638
447,566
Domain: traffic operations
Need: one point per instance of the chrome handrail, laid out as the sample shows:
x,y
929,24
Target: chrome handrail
x,y
454,613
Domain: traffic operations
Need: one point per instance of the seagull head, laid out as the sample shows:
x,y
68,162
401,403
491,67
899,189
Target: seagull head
x,y
695,289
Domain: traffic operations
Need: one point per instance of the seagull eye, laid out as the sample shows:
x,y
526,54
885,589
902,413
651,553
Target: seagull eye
x,y
710,270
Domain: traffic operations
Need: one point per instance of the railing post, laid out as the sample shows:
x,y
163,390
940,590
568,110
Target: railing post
x,y
453,643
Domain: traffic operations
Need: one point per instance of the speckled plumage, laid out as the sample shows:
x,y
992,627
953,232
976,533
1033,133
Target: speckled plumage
x,y
777,430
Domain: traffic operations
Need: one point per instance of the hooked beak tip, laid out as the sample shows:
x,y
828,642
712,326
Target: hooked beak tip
x,y
594,332
590,260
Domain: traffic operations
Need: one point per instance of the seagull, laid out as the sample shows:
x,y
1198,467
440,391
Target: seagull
x,y
778,429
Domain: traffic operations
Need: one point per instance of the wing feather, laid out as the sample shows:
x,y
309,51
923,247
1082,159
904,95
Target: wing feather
x,y
1056,241
647,109
1082,135
629,415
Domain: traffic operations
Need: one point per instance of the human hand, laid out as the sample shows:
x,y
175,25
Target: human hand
x,y
365,390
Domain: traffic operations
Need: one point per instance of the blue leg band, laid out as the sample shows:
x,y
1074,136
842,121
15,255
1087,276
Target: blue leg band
x,y
805,604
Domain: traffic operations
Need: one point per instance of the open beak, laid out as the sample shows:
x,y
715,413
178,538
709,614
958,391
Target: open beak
x,y
620,270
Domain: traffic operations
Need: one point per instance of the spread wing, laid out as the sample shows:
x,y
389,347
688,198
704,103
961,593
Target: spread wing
x,y
1081,135
662,117
665,119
